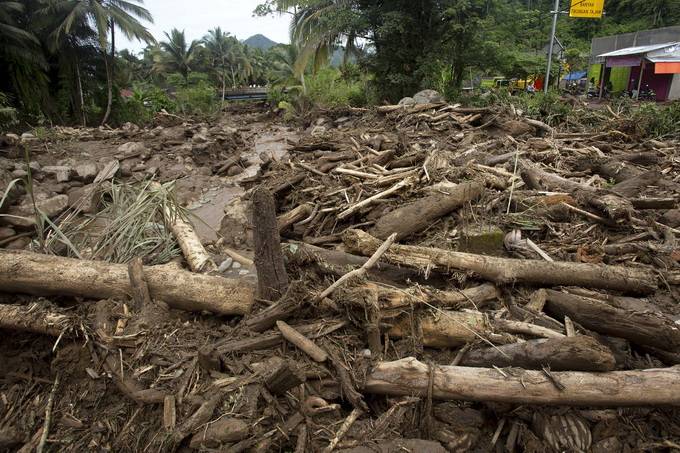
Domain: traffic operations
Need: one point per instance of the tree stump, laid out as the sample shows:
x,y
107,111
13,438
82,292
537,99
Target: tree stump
x,y
272,280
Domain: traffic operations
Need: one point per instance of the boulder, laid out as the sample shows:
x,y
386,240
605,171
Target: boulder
x,y
6,232
428,97
407,101
86,172
61,172
85,198
24,215
130,148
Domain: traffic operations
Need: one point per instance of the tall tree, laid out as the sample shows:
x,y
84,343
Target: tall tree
x,y
176,55
105,16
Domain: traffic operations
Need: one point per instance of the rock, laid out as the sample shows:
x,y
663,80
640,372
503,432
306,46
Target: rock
x,y
33,165
607,445
407,101
152,170
25,215
318,131
204,171
27,136
224,430
131,148
156,131
321,121
225,265
399,446
138,167
482,239
108,172
234,170
61,172
458,417
6,232
85,198
243,272
86,172
199,138
236,265
19,243
671,218
342,120
13,139
428,97
19,174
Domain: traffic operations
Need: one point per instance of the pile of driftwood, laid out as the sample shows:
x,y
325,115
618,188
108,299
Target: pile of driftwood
x,y
430,278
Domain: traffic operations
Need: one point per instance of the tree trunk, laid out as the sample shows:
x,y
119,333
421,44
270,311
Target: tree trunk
x,y
580,353
109,74
409,377
272,279
79,82
45,275
507,270
420,214
638,326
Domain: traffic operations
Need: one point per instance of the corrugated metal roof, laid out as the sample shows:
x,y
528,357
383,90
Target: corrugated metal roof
x,y
637,50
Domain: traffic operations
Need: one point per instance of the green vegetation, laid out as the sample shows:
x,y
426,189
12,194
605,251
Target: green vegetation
x,y
59,63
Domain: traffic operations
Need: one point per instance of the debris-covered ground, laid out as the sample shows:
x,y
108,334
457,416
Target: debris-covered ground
x,y
425,277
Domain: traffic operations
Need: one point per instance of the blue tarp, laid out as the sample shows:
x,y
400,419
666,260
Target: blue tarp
x,y
575,75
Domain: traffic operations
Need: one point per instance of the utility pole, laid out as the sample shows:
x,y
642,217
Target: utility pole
x,y
555,13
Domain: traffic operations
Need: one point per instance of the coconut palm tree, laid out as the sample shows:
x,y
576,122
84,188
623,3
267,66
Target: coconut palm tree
x,y
314,34
176,55
21,58
283,72
105,16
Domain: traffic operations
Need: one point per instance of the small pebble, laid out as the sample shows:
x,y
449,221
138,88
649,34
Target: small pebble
x,y
236,265
243,272
226,264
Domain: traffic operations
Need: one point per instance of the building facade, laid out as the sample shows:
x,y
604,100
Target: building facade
x,y
644,60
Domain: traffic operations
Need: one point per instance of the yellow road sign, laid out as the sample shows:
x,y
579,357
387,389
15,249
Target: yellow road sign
x,y
586,8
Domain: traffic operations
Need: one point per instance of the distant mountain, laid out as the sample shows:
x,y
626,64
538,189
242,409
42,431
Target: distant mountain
x,y
260,42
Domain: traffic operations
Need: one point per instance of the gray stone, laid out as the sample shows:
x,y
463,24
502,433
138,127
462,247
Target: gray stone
x,y
19,173
61,172
236,265
131,148
243,272
428,97
27,135
24,215
225,265
234,170
6,232
671,218
407,101
85,198
199,138
13,138
19,243
86,172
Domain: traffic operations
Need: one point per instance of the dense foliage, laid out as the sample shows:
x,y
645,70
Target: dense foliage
x,y
425,43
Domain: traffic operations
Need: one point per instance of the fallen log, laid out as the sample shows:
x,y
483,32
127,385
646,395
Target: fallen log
x,y
409,377
612,204
33,319
446,329
43,275
390,298
338,263
641,327
508,270
633,186
295,215
419,215
580,353
654,203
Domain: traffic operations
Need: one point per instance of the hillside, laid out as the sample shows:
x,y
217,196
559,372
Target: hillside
x,y
260,42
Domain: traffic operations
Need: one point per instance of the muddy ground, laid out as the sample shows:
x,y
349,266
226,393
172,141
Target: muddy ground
x,y
211,381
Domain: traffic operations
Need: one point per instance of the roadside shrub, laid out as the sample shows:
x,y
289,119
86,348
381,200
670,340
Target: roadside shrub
x,y
328,88
655,121
199,99
8,114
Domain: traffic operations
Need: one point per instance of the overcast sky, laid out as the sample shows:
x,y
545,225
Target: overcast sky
x,y
196,17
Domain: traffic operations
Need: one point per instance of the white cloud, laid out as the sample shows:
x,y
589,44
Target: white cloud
x,y
196,17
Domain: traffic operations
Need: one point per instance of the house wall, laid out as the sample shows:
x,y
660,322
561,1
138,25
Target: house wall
x,y
618,76
598,46
674,92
